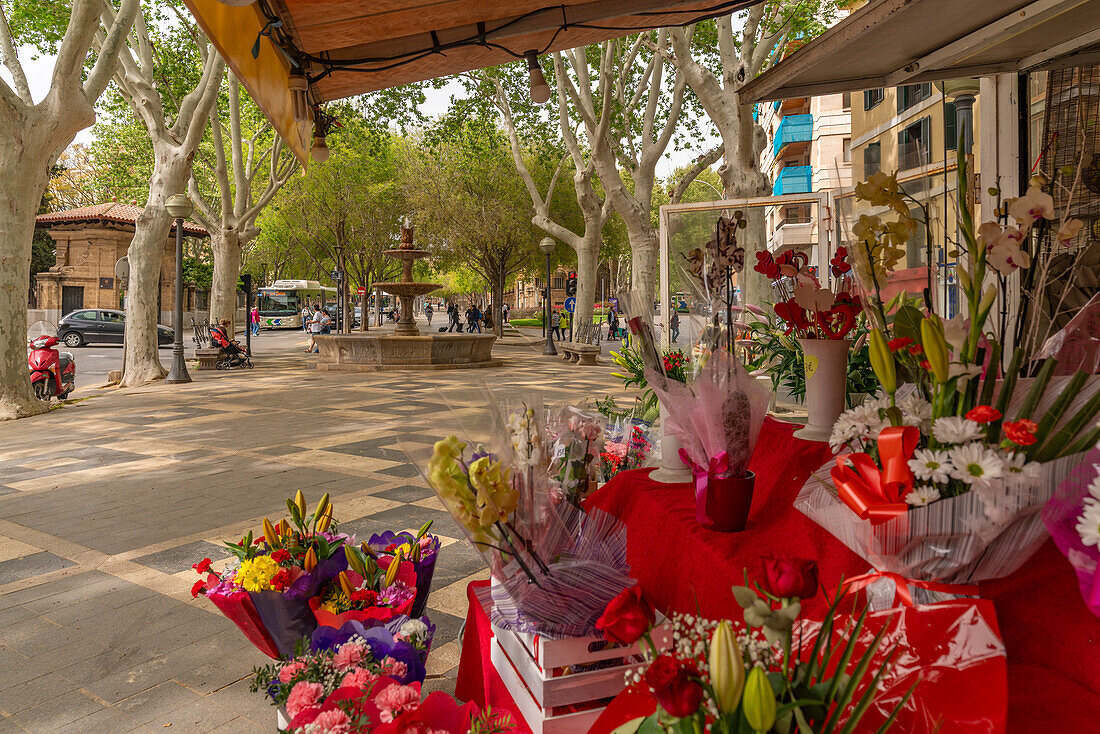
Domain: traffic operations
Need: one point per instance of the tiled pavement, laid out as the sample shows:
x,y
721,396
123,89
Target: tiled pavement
x,y
105,504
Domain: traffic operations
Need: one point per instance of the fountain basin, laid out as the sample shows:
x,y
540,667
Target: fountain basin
x,y
366,352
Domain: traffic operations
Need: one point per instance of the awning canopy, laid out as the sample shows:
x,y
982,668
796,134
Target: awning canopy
x,y
892,42
349,47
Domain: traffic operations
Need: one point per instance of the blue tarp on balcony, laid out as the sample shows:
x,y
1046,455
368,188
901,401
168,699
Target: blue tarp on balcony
x,y
793,180
793,129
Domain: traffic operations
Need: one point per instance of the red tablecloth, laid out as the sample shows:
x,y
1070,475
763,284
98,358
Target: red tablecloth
x,y
1050,636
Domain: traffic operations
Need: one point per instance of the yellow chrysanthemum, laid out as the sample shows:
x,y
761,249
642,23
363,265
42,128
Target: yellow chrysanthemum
x,y
255,574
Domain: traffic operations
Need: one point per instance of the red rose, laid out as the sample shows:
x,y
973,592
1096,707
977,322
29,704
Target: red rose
x,y
200,586
790,577
202,566
926,365
366,597
983,414
1021,432
901,342
627,617
916,349
673,686
280,556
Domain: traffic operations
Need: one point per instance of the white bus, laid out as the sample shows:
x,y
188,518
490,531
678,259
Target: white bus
x,y
281,303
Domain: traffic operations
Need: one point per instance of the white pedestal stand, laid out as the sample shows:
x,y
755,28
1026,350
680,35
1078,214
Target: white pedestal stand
x,y
671,469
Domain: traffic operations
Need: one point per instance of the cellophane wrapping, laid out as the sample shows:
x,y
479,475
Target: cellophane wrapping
x,y
577,439
953,651
722,411
1061,516
964,539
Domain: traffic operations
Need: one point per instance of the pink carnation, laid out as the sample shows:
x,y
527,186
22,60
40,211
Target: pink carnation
x,y
394,668
303,695
348,655
333,721
288,671
358,678
394,699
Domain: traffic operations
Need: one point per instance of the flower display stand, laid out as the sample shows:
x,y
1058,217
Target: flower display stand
x,y
671,469
826,364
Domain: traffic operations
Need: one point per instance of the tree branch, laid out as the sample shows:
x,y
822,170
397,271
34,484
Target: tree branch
x,y
11,60
701,164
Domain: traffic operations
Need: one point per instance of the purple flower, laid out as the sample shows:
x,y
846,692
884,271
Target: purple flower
x,y
425,567
380,639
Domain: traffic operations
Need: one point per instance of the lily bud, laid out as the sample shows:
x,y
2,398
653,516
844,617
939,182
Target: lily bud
x,y
326,519
368,550
988,297
283,527
320,511
882,362
300,501
310,561
270,534
759,702
727,669
345,584
355,561
424,529
964,276
415,554
935,348
391,572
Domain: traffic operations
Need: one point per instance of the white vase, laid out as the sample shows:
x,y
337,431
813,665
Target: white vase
x,y
826,364
672,469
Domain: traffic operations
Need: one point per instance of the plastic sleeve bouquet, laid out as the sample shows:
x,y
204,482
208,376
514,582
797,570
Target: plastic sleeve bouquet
x,y
942,479
266,590
1073,517
421,548
578,439
554,567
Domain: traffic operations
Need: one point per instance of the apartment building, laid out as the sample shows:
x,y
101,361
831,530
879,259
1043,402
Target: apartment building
x,y
808,149
912,130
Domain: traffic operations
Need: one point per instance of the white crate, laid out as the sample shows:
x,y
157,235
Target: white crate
x,y
541,674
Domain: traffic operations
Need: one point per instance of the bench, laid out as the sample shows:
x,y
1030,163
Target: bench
x,y
585,345
206,353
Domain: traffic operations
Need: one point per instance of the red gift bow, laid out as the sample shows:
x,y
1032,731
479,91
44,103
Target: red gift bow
x,y
874,494
902,584
719,464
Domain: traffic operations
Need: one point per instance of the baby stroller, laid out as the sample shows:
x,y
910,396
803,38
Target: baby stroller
x,y
231,355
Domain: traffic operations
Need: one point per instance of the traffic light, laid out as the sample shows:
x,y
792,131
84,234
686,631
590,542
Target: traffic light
x,y
571,284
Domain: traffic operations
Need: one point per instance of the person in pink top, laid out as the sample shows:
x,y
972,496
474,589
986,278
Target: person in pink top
x,y
254,319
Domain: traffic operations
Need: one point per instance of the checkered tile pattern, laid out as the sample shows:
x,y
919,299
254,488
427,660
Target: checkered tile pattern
x,y
105,504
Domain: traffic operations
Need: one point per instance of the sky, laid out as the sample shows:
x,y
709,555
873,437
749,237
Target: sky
x,y
39,71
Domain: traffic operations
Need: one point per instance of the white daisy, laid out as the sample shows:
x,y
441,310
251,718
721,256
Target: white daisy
x,y
930,465
956,430
1094,487
861,422
1088,526
975,464
1017,466
922,496
916,411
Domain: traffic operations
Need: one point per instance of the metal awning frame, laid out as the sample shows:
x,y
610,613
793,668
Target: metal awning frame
x,y
945,62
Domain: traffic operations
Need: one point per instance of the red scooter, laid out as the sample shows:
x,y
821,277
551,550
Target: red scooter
x,y
53,374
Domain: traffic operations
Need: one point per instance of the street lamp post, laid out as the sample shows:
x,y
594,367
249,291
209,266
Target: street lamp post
x,y
547,246
180,207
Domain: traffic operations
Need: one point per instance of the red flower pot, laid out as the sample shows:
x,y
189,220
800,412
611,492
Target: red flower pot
x,y
726,501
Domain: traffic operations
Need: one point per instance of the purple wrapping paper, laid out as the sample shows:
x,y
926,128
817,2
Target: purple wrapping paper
x,y
425,567
286,615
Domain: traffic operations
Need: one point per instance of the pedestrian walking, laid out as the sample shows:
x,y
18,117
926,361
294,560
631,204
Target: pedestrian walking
x,y
505,310
473,319
563,324
612,324
307,316
452,316
314,329
326,321
428,312
674,325
254,318
555,324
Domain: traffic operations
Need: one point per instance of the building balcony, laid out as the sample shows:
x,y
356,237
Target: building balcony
x,y
799,235
793,180
794,133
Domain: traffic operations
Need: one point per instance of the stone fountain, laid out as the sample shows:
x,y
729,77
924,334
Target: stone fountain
x,y
407,289
405,348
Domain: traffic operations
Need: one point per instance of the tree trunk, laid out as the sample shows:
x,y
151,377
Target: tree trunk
x,y
226,245
22,181
747,183
363,315
146,260
643,262
588,262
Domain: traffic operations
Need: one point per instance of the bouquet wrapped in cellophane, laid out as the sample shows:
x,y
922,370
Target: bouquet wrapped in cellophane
x,y
943,478
554,566
717,420
577,439
628,444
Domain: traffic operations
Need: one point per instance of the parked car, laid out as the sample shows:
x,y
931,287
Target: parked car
x,y
100,325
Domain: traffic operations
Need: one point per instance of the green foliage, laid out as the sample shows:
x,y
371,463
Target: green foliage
x,y
199,271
